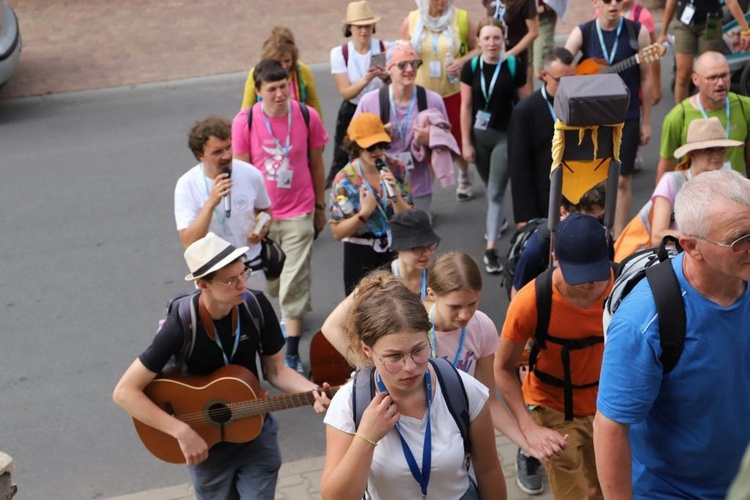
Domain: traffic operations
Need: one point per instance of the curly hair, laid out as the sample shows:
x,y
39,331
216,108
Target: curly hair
x,y
202,130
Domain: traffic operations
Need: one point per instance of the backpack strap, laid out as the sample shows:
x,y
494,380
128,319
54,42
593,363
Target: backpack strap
x,y
186,311
543,289
250,118
474,63
637,10
382,45
455,396
252,306
302,108
345,53
632,33
385,105
363,390
511,59
671,311
421,98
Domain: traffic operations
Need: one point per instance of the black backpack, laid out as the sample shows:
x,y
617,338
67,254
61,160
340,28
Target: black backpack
x,y
187,307
302,107
518,242
454,392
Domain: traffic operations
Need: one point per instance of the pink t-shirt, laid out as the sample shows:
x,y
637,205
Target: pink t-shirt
x,y
287,176
668,187
481,341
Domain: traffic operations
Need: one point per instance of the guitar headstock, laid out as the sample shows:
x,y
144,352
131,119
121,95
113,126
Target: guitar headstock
x,y
652,53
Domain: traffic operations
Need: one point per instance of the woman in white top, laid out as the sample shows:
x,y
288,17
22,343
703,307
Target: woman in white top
x,y
407,420
355,72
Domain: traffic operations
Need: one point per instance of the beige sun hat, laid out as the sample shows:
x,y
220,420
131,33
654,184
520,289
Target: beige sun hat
x,y
360,14
210,254
705,133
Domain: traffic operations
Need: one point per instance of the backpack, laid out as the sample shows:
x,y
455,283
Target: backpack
x,y
186,306
655,264
454,392
510,59
345,51
517,244
385,104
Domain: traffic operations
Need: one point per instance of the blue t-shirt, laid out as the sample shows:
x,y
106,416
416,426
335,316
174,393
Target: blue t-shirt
x,y
689,429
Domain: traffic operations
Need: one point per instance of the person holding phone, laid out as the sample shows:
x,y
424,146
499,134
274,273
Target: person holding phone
x,y
357,66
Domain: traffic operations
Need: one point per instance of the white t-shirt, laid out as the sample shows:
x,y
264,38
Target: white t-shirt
x,y
390,477
248,194
481,341
357,67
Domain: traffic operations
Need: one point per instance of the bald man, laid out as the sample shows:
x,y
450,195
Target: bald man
x,y
712,78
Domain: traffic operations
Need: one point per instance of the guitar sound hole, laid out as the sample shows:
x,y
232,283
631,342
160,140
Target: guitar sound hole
x,y
219,413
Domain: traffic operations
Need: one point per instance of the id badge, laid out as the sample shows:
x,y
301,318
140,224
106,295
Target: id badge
x,y
406,158
284,179
436,69
482,120
687,14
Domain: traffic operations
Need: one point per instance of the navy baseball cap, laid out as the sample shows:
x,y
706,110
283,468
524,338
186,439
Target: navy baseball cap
x,y
581,250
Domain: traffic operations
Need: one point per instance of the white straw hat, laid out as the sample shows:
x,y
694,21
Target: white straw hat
x,y
210,254
705,133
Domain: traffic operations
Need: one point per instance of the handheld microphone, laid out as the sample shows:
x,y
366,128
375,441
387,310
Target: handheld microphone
x,y
380,165
228,197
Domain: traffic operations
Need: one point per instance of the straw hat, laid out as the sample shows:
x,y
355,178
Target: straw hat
x,y
210,254
703,134
359,14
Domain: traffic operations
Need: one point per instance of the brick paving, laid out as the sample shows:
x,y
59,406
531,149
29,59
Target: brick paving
x,y
74,45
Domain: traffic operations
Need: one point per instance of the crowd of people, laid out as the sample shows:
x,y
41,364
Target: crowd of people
x,y
435,377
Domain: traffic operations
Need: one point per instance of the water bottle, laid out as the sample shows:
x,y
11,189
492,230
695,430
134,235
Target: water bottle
x,y
449,59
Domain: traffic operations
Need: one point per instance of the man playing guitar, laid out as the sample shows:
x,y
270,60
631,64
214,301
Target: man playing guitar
x,y
226,334
615,38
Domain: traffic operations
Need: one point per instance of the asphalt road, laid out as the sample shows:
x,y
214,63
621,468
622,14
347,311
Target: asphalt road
x,y
89,255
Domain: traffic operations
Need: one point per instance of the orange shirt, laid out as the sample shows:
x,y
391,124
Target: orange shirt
x,y
566,321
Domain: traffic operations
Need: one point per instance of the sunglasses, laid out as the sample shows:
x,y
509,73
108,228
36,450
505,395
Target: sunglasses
x,y
415,64
610,1
378,145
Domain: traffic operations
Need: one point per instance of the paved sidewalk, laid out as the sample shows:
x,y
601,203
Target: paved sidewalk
x,y
301,480
92,44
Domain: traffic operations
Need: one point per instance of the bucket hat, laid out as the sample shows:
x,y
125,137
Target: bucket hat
x,y
703,134
411,229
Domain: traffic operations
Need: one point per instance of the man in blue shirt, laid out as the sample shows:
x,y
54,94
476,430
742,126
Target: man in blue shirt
x,y
684,433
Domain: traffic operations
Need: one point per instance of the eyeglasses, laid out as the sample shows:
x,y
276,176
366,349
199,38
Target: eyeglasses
x,y
428,248
360,26
232,283
378,145
715,78
415,64
555,78
394,363
741,244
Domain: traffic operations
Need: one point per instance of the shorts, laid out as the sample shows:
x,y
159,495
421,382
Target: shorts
x,y
631,139
546,39
692,39
574,472
295,235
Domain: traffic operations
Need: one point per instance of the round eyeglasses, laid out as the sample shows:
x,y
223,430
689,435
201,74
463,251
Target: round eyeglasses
x,y
394,363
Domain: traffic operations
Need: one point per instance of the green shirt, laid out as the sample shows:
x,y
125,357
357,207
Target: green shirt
x,y
674,129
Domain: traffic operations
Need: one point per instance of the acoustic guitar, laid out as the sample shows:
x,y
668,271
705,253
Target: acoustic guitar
x,y
595,66
326,364
221,407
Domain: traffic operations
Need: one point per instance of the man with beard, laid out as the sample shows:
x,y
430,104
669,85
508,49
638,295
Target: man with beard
x,y
199,195
712,78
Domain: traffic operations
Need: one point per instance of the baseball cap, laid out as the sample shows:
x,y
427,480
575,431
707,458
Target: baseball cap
x,y
581,250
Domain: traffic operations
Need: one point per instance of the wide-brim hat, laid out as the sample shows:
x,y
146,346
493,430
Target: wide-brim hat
x,y
581,250
411,229
360,14
367,129
210,254
705,133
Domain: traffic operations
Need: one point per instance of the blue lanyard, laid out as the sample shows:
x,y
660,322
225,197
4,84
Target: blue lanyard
x,y
487,92
218,213
380,199
611,57
423,476
551,109
401,129
433,339
285,149
236,342
397,273
726,109
435,42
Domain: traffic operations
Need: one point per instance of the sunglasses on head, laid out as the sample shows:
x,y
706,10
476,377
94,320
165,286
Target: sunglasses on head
x,y
415,64
378,145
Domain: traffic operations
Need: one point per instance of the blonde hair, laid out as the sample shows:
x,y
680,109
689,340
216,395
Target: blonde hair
x,y
382,305
278,43
454,271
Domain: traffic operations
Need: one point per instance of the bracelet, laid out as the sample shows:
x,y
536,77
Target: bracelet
x,y
745,32
362,219
366,439
320,206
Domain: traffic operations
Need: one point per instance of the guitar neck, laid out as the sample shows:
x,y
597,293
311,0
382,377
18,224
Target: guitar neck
x,y
622,65
247,409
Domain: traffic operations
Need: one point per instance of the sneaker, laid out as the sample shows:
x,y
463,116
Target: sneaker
x,y
492,261
464,191
527,475
295,363
504,226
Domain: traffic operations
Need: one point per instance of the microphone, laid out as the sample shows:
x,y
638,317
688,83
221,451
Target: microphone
x,y
380,165
228,197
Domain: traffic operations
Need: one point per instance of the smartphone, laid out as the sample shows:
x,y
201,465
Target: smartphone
x,y
377,60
